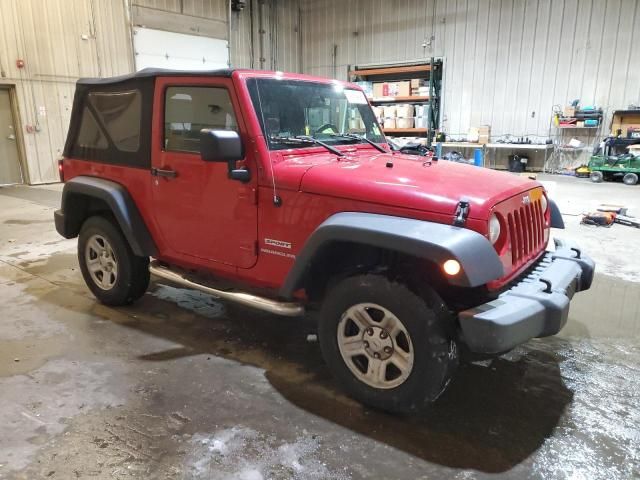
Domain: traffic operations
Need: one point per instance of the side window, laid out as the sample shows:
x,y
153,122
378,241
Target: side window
x,y
90,135
188,110
119,113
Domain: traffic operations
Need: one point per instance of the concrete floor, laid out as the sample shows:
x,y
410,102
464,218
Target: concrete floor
x,y
180,386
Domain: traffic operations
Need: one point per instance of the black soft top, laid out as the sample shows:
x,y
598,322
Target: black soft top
x,y
118,130
156,72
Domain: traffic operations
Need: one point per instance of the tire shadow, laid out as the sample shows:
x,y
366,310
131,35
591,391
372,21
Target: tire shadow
x,y
493,416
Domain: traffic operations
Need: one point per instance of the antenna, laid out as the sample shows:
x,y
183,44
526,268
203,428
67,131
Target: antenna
x,y
277,201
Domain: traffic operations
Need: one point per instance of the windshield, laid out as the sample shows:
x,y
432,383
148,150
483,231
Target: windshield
x,y
291,108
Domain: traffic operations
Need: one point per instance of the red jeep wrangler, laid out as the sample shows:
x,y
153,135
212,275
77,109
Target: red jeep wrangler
x,y
280,192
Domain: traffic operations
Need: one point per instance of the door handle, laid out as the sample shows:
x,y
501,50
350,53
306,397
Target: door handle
x,y
158,172
11,137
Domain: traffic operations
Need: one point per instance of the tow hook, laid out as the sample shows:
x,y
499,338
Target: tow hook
x,y
462,212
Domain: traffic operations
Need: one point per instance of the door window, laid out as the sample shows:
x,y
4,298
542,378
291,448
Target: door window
x,y
190,109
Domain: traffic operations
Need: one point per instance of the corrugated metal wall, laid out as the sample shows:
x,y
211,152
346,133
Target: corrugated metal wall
x,y
212,9
506,62
279,44
73,38
79,38
206,18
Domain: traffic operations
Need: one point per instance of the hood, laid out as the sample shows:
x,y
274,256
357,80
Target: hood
x,y
413,182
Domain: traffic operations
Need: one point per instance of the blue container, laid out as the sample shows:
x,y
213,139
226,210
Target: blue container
x,y
478,159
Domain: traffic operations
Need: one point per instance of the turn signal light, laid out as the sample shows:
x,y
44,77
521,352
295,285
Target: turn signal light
x,y
61,169
451,267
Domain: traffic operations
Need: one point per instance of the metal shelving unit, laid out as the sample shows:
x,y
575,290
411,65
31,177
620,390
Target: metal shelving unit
x,y
431,71
565,155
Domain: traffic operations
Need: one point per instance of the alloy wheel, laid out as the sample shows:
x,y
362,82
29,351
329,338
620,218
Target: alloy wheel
x,y
101,262
375,345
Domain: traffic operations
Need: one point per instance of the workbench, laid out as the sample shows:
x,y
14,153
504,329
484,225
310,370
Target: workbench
x,y
462,145
545,147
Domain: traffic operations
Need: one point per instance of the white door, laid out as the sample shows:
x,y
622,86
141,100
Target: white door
x,y
160,49
9,161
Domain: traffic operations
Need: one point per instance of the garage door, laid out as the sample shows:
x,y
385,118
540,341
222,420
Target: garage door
x,y
160,49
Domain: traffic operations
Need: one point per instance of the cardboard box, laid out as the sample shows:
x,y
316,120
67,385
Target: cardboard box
x,y
403,89
392,89
569,112
480,134
377,90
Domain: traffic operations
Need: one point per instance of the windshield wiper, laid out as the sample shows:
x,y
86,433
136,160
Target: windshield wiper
x,y
305,139
360,137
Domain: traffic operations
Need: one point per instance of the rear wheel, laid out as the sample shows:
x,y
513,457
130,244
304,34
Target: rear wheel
x,y
113,273
387,346
630,179
596,177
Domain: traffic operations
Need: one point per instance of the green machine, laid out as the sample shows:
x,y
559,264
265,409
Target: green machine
x,y
625,166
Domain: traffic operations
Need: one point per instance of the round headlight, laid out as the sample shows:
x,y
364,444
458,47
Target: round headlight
x,y
544,203
494,228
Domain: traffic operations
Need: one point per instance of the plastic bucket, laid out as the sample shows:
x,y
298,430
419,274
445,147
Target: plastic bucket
x,y
389,122
421,122
389,111
404,111
404,122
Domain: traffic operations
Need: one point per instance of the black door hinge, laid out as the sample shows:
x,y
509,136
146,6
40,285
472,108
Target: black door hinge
x,y
462,212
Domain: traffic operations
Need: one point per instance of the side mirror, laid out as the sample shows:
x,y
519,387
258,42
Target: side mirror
x,y
224,146
220,146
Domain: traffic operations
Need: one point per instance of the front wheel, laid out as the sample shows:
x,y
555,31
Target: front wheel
x,y
596,177
387,346
630,179
113,273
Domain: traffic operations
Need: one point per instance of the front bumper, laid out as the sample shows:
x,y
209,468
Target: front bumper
x,y
538,306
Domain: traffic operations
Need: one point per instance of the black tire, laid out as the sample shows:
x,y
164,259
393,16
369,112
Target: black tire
x,y
132,277
630,179
428,323
596,177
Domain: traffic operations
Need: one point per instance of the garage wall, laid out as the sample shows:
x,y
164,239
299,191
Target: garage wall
x,y
213,9
83,38
207,18
506,62
266,35
69,41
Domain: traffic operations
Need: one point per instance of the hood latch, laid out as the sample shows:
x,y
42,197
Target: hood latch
x,y
462,212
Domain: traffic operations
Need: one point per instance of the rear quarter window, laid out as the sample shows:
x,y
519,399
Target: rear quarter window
x,y
119,114
112,124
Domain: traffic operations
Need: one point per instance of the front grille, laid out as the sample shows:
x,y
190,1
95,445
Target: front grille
x,y
526,232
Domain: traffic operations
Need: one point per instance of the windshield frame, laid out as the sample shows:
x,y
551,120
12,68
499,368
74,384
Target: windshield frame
x,y
256,88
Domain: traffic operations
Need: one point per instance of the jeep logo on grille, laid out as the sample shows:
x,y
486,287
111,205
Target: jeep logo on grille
x,y
526,200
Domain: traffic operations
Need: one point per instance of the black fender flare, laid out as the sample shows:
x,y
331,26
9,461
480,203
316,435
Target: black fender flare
x,y
70,217
556,216
433,241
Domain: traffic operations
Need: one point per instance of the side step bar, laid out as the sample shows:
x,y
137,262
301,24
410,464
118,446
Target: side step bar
x,y
287,309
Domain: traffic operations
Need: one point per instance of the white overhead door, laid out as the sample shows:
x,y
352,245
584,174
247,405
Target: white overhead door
x,y
160,49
